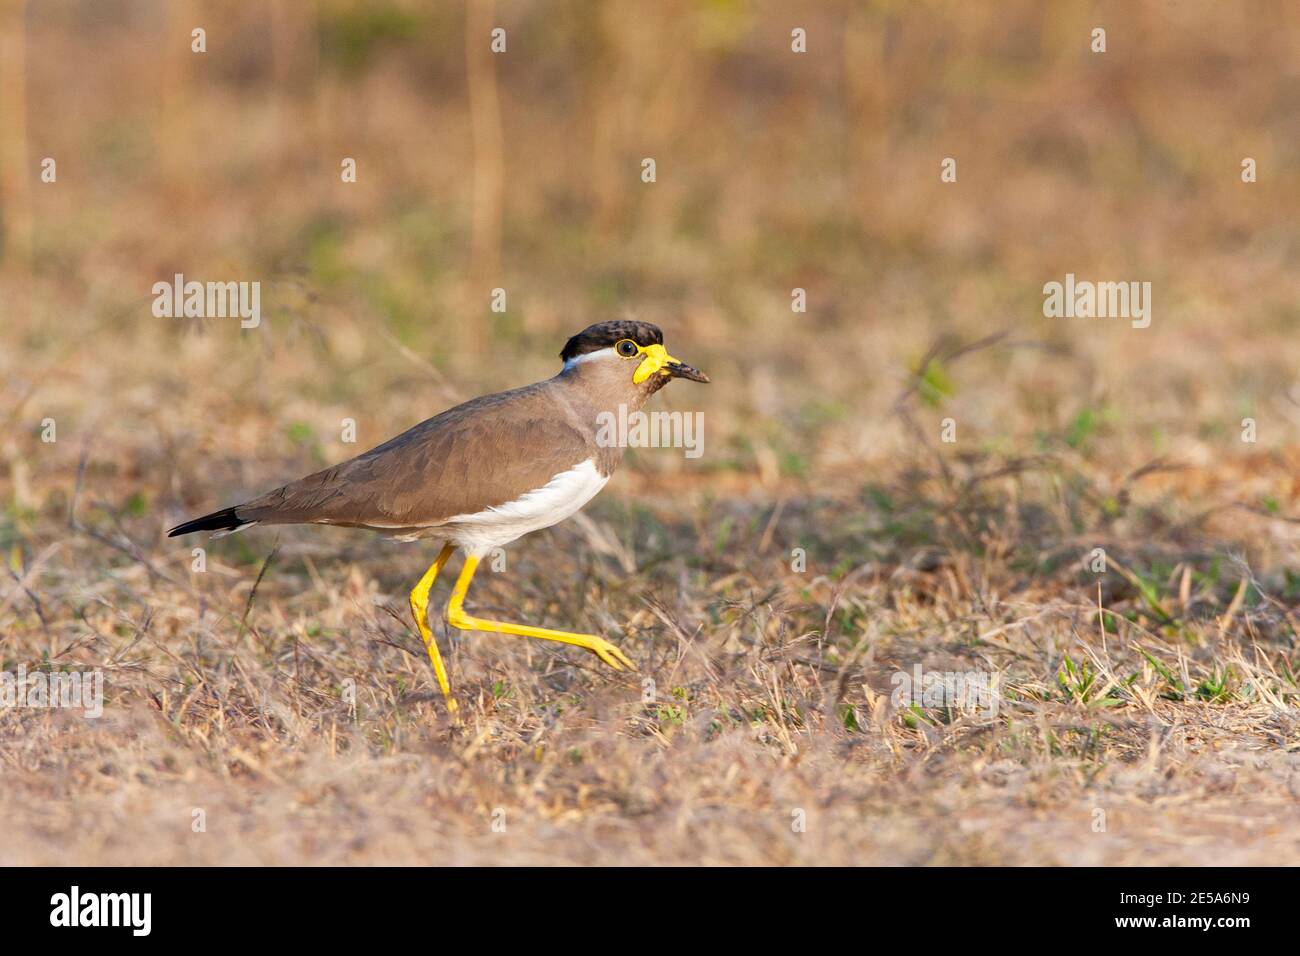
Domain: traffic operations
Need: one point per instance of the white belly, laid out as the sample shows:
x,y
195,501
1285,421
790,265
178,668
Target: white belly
x,y
560,497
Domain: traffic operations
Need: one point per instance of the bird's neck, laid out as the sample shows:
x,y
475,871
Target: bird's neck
x,y
604,388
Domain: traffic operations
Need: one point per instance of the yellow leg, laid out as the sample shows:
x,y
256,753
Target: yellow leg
x,y
420,611
457,617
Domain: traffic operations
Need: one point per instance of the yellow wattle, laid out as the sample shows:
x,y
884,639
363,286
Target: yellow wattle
x,y
656,357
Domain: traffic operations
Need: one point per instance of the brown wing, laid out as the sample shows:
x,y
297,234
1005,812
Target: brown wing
x,y
481,454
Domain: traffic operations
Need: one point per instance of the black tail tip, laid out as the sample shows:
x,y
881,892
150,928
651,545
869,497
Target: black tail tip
x,y
223,520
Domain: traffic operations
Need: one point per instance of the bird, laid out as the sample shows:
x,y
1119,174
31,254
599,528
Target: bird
x,y
484,473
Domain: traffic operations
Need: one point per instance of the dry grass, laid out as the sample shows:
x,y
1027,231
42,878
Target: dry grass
x,y
303,719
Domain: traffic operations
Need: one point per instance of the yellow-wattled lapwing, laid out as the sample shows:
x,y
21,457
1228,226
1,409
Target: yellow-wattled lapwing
x,y
485,473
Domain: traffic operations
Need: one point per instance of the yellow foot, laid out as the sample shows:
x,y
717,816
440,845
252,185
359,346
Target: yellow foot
x,y
602,648
457,618
607,652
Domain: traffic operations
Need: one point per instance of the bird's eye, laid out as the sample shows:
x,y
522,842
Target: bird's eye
x,y
626,348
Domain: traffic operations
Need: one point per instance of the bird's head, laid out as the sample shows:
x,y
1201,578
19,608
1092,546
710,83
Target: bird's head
x,y
627,348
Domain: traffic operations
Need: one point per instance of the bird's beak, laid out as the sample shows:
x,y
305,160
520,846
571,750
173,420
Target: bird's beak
x,y
657,360
682,370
